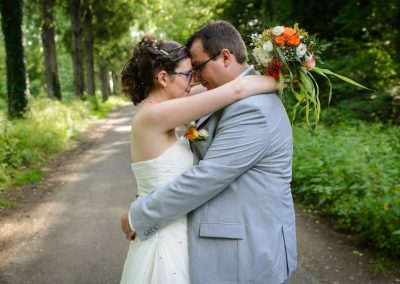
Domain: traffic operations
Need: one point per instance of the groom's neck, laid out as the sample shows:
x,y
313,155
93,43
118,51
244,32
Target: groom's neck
x,y
238,69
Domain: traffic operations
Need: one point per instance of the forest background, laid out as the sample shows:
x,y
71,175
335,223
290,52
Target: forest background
x,y
59,70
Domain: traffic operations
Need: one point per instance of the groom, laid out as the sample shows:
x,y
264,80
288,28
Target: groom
x,y
241,221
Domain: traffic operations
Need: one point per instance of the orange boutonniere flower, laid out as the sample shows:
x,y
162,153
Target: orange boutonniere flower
x,y
193,135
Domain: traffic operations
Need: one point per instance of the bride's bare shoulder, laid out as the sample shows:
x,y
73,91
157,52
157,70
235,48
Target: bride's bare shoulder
x,y
142,114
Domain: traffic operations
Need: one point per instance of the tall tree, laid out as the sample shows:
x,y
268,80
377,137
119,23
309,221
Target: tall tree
x,y
112,38
3,79
50,51
76,47
89,41
11,22
104,78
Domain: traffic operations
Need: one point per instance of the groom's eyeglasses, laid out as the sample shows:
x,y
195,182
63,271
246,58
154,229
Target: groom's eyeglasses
x,y
188,74
200,67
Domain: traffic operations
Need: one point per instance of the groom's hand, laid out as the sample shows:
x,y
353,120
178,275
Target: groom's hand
x,y
126,227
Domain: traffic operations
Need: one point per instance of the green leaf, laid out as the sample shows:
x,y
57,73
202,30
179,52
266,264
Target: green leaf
x,y
285,64
318,71
344,78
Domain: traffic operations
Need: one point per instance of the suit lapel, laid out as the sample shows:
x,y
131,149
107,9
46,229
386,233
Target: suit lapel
x,y
210,123
202,121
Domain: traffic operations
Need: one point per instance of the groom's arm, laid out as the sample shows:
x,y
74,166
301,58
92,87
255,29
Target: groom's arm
x,y
241,140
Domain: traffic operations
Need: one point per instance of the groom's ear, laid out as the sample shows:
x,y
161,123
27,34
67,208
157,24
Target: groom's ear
x,y
161,78
226,56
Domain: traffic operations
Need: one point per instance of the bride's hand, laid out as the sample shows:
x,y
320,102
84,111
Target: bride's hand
x,y
126,227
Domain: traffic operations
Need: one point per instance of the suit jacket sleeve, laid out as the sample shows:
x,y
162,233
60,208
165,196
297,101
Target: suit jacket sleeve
x,y
242,138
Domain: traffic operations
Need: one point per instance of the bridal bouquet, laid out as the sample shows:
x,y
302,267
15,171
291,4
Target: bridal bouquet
x,y
291,55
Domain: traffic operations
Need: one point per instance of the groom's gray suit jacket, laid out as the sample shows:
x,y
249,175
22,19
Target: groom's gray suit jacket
x,y
241,222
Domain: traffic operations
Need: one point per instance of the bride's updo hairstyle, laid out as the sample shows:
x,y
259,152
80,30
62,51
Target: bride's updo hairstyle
x,y
150,56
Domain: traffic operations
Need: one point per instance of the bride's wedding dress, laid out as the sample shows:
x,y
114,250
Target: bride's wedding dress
x,y
162,258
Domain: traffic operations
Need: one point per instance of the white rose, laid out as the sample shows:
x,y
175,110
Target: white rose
x,y
301,50
262,57
278,30
203,133
267,46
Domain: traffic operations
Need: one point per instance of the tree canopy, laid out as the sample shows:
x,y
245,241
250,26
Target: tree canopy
x,y
364,35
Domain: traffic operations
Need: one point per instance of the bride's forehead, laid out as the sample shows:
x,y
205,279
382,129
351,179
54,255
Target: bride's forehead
x,y
185,64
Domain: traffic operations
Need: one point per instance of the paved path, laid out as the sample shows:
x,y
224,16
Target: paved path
x,y
74,235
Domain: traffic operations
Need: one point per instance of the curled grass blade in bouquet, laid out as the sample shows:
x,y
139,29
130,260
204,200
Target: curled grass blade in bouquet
x,y
290,55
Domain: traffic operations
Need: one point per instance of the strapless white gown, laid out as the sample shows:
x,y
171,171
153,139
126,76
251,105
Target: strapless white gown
x,y
162,258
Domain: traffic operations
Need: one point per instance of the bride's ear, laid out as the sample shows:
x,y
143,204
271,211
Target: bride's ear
x,y
161,78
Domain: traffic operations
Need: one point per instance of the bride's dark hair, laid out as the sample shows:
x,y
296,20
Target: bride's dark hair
x,y
149,57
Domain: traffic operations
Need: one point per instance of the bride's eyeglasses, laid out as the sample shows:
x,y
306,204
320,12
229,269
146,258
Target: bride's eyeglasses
x,y
188,74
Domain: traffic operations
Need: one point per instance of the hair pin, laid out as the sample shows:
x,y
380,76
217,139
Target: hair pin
x,y
164,52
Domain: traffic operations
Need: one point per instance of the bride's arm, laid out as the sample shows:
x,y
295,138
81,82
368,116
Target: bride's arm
x,y
172,113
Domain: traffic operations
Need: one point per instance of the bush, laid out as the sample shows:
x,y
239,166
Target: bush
x,y
46,131
351,171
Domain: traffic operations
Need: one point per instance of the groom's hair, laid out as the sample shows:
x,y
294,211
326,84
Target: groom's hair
x,y
219,35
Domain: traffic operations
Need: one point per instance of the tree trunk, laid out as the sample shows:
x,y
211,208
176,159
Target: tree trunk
x,y
115,78
89,62
50,51
17,92
104,80
76,48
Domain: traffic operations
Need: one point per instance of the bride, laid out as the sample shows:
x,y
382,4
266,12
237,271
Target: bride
x,y
157,79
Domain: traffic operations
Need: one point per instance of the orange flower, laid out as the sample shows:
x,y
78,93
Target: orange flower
x,y
288,36
293,40
280,39
289,32
192,134
291,36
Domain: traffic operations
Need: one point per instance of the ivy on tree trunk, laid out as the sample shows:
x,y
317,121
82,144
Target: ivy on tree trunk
x,y
76,49
11,22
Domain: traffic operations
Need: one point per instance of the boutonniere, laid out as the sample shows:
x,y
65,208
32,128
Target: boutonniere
x,y
193,135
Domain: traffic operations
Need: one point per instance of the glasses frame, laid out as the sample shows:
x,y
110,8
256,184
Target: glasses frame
x,y
199,68
188,74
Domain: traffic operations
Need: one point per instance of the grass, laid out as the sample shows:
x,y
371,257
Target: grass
x,y
46,131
